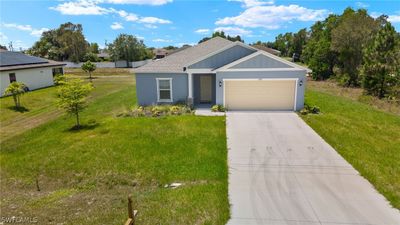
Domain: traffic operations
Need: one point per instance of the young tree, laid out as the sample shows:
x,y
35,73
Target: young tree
x,y
381,69
16,89
72,97
89,67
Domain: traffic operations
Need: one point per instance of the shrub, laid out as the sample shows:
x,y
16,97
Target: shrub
x,y
59,79
310,109
218,108
157,111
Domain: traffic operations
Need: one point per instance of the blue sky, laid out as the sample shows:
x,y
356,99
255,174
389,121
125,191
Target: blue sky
x,y
173,22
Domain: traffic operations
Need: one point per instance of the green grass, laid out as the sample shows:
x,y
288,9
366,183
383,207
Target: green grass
x,y
367,138
85,176
41,106
100,72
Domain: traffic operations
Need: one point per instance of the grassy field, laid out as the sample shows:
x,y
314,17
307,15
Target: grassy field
x,y
366,137
356,94
41,106
85,176
100,72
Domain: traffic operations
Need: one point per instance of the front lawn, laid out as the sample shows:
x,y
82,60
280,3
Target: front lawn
x,y
367,138
40,106
85,176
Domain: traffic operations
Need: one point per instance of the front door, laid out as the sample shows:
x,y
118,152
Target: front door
x,y
205,89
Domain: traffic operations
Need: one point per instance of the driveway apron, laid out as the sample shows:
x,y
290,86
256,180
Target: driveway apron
x,y
282,173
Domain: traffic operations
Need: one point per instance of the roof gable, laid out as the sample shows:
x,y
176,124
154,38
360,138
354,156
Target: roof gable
x,y
261,60
175,62
222,57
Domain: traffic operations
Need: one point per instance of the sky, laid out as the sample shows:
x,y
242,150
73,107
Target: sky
x,y
173,22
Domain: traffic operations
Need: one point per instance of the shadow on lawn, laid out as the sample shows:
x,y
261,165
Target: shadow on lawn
x,y
20,109
89,126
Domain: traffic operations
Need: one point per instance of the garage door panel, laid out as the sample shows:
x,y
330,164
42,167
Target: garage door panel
x,y
260,94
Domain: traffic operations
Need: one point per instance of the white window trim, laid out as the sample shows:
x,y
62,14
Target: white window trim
x,y
158,90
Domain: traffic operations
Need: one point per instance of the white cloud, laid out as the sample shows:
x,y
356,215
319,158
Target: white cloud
x,y
151,26
272,17
81,7
362,5
394,18
18,26
153,20
139,2
184,43
3,38
139,37
202,31
233,31
34,32
116,26
161,40
18,44
38,32
252,3
130,17
91,7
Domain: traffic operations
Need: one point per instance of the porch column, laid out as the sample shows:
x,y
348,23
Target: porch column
x,y
190,85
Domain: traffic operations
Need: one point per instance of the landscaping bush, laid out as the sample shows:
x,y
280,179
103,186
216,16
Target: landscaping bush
x,y
157,111
218,108
310,109
58,79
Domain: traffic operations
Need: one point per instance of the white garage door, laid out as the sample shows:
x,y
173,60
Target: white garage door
x,y
260,94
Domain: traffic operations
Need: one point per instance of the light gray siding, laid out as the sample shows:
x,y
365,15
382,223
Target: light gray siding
x,y
261,61
220,76
223,58
146,87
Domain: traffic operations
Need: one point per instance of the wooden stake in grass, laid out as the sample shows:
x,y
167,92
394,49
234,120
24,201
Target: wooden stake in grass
x,y
37,184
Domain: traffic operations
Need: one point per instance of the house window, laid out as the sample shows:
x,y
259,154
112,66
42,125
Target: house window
x,y
12,77
57,71
164,89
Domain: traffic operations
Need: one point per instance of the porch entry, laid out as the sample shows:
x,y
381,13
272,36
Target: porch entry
x,y
205,88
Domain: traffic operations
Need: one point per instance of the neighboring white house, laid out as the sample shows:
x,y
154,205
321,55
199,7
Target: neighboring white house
x,y
34,72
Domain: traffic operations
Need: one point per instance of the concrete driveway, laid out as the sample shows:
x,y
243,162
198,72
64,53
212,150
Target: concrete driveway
x,y
282,172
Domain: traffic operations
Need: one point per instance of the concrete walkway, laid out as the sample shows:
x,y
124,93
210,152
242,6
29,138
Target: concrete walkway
x,y
283,173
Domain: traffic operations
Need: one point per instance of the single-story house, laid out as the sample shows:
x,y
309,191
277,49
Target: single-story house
x,y
33,71
218,71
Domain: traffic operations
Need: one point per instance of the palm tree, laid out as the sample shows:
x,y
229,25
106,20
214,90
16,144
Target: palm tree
x,y
16,89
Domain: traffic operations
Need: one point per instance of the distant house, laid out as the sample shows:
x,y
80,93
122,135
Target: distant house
x,y
103,55
160,53
34,72
266,49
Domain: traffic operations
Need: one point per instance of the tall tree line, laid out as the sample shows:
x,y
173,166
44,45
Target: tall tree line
x,y
68,43
353,48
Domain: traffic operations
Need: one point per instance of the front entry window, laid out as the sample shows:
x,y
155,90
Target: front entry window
x,y
164,89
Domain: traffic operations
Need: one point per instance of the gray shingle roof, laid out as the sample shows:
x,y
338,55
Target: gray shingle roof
x,y
18,60
176,62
